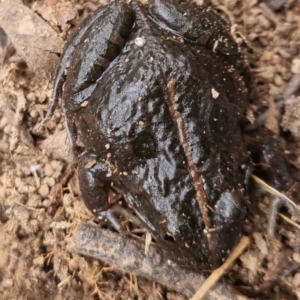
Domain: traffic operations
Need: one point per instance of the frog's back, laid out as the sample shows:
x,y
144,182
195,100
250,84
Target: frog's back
x,y
170,113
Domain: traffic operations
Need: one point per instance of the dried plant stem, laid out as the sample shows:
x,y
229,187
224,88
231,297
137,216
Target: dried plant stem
x,y
218,273
128,255
290,221
271,190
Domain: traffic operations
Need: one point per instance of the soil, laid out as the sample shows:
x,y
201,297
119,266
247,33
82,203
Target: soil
x,y
40,202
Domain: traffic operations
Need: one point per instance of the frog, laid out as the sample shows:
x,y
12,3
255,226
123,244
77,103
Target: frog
x,y
154,96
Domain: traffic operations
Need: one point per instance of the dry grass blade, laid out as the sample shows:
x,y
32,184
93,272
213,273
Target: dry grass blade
x,y
290,221
147,241
66,281
218,273
293,208
272,191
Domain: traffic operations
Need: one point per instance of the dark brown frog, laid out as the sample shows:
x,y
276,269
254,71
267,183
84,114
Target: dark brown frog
x,y
153,100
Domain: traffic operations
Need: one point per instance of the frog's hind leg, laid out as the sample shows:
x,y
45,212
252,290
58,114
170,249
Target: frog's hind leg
x,y
273,167
275,205
97,49
79,37
65,60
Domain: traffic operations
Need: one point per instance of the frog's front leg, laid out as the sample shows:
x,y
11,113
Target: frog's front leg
x,y
95,186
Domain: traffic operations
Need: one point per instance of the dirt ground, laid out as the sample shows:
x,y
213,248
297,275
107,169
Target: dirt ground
x,y
40,203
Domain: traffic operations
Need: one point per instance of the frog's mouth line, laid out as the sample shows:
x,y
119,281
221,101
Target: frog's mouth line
x,y
200,194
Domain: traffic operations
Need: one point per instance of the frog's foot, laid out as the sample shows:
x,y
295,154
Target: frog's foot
x,y
276,203
118,210
278,199
110,217
98,195
271,164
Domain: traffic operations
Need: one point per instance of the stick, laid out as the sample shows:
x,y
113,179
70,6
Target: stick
x,y
128,255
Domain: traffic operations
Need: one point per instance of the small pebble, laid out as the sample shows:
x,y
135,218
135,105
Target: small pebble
x,y
84,104
295,68
296,257
140,41
44,190
48,170
34,113
7,129
24,187
8,283
31,97
49,181
260,243
46,203
266,74
21,213
214,93
67,200
34,200
56,165
263,21
33,222
39,261
278,80
3,122
63,225
296,280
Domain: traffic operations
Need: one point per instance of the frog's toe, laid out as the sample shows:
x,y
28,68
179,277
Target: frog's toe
x,y
111,218
276,203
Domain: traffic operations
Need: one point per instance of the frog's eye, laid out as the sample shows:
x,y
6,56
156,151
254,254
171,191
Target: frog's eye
x,y
144,145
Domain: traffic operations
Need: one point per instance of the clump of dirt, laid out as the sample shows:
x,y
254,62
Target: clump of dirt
x,y
40,204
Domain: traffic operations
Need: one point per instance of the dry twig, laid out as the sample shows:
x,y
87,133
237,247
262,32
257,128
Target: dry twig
x,y
129,255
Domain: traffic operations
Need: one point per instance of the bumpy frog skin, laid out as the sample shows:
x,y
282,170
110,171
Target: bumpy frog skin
x,y
158,122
